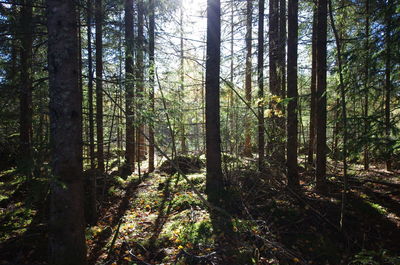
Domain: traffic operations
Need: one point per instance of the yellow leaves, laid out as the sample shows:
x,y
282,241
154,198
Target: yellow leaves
x,y
296,260
147,207
128,258
180,247
278,113
276,99
269,113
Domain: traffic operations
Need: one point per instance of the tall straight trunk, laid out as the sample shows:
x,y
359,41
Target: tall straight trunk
x,y
322,13
99,84
292,94
129,87
90,84
214,181
249,20
274,85
279,152
231,107
141,148
344,110
66,225
313,88
151,81
25,92
388,83
366,87
260,69
90,213
182,85
282,52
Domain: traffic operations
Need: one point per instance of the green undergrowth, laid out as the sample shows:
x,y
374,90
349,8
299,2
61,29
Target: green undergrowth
x,y
18,200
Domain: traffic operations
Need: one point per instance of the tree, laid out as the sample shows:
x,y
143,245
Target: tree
x,y
151,81
274,80
322,14
260,68
91,212
388,82
25,94
140,140
343,108
282,53
366,84
129,87
249,21
99,84
66,225
214,179
182,84
292,94
313,88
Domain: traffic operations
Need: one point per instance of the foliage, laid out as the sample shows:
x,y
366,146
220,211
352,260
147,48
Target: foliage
x,y
375,257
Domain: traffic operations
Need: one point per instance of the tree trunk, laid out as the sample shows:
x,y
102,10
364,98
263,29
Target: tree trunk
x,y
214,180
249,20
129,87
99,85
292,94
141,145
90,84
313,100
182,86
274,84
25,95
231,108
151,81
66,225
91,213
322,13
388,84
260,68
279,154
344,113
282,54
366,88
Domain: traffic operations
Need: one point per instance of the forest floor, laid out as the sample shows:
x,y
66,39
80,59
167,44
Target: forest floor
x,y
160,220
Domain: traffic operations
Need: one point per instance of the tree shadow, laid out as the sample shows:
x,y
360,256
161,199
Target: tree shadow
x,y
118,212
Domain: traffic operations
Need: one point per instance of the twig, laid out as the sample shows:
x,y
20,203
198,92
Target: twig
x,y
194,258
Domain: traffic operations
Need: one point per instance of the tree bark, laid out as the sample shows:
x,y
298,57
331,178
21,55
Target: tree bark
x,y
249,21
25,94
90,84
99,85
91,212
151,81
344,112
140,140
214,180
388,84
260,68
129,87
274,84
366,87
66,225
322,13
313,100
292,94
